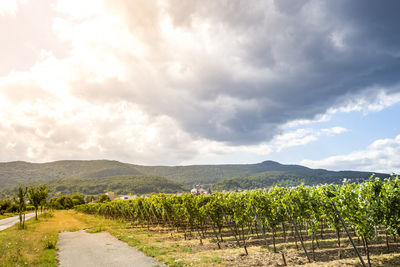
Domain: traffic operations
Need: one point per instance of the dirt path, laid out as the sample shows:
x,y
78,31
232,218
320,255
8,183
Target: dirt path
x,y
6,223
100,249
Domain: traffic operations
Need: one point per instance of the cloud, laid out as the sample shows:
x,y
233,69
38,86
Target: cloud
x,y
298,137
73,130
8,7
27,34
302,137
334,130
376,101
209,74
380,156
228,71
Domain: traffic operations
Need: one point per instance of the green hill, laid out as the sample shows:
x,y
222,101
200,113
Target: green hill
x,y
259,180
120,185
285,178
19,172
210,174
14,173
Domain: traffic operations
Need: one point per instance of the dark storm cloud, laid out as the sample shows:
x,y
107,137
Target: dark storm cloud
x,y
272,62
310,72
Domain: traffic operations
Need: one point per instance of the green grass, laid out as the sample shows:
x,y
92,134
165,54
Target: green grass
x,y
97,229
25,247
187,249
207,259
7,215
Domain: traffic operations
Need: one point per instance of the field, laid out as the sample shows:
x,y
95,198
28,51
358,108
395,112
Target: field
x,y
277,227
171,248
304,224
34,246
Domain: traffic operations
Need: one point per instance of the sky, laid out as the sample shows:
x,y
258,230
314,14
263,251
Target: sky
x,y
168,82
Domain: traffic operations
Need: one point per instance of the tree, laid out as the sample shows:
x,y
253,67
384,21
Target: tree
x,y
62,202
5,205
44,194
89,199
78,199
21,205
37,196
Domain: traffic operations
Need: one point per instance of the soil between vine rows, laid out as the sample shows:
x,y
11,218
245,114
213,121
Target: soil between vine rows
x,y
259,255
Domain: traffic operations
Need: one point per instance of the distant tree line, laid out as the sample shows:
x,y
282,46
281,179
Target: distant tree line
x,y
68,202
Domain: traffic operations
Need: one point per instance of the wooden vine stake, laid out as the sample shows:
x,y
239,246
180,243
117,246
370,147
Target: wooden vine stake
x,y
227,222
283,258
213,227
260,226
233,232
348,234
301,239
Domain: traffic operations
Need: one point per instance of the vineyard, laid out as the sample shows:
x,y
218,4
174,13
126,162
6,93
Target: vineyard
x,y
343,221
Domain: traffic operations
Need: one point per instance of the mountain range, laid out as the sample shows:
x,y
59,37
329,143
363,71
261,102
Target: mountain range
x,y
92,173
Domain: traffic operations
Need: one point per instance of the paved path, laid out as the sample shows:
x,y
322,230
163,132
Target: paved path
x,y
6,223
79,248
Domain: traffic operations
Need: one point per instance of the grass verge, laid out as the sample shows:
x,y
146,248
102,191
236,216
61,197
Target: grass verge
x,y
7,215
37,244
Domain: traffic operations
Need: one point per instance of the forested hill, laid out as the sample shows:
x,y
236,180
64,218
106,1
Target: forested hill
x,y
284,178
14,173
19,172
210,174
120,185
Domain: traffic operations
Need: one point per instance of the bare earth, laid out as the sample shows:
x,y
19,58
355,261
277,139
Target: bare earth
x,y
100,249
6,223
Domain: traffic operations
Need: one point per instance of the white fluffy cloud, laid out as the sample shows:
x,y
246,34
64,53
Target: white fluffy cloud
x,y
381,156
8,7
303,136
298,137
78,130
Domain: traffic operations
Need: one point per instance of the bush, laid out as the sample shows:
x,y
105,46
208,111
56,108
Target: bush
x,y
103,198
13,208
30,208
61,203
66,202
5,205
50,245
78,199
